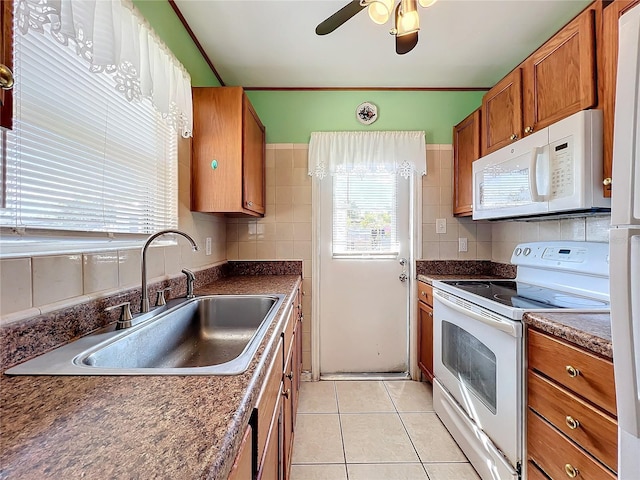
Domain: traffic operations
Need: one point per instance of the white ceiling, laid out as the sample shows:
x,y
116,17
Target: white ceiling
x,y
462,43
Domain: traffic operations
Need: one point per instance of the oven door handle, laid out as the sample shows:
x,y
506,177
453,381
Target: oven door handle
x,y
502,325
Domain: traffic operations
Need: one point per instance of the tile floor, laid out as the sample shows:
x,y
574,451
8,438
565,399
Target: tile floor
x,y
373,430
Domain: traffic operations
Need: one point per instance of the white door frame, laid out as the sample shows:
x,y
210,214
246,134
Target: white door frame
x,y
415,251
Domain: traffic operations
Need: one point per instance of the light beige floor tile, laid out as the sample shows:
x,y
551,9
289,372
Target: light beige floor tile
x,y
431,439
409,396
449,471
317,439
317,397
397,471
318,472
376,437
363,397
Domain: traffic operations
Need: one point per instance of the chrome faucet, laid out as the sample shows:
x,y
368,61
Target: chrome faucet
x,y
144,308
191,278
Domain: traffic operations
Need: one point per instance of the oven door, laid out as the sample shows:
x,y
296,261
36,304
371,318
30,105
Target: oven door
x,y
478,361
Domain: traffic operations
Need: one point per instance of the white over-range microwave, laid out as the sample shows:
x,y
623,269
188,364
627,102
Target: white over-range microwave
x,y
557,170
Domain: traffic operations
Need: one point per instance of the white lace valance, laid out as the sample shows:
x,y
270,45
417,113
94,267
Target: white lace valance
x,y
363,152
114,38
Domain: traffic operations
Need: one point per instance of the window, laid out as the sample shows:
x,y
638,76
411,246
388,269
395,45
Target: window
x,y
82,156
364,214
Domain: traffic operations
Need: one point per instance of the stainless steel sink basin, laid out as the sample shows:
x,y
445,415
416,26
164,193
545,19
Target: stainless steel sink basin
x,y
209,335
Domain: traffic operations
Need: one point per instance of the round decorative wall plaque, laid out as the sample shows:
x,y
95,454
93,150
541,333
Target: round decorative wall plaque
x,y
367,113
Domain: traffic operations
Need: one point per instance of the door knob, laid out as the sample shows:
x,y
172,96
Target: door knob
x,y
403,277
403,261
6,77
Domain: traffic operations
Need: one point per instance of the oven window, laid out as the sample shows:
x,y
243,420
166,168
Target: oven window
x,y
471,362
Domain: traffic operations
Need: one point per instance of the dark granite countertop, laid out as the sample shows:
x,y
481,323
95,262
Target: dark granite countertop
x,y
591,331
135,426
429,278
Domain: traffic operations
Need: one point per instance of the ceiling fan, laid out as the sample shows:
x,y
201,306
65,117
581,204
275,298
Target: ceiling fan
x,y
406,19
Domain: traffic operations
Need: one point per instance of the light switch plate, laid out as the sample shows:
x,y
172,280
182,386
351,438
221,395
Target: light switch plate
x,y
441,225
462,244
207,246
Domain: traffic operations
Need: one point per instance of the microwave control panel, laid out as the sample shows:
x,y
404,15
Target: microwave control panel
x,y
562,159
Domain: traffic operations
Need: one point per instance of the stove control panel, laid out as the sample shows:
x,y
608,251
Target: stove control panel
x,y
577,254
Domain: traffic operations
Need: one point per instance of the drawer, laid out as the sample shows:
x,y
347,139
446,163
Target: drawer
x,y
595,431
267,401
558,456
580,371
425,293
534,473
288,332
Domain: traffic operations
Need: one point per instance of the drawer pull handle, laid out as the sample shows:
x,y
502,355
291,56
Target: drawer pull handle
x,y
286,393
572,423
572,371
571,471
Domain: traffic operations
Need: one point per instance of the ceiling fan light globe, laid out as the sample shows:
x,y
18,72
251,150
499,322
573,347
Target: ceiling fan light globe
x,y
408,22
426,3
380,10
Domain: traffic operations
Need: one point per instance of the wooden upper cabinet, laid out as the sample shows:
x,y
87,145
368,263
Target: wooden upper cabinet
x,y
6,59
228,163
254,160
502,113
607,81
559,78
466,149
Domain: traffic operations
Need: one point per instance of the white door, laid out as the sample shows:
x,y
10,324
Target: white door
x,y
363,304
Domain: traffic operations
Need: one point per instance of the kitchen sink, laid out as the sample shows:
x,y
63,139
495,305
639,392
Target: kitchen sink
x,y
208,335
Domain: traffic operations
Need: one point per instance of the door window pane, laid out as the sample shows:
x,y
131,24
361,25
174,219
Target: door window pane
x,y
364,214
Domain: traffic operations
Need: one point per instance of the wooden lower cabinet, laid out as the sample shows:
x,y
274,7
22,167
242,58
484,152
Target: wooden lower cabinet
x,y
243,466
277,405
571,424
425,330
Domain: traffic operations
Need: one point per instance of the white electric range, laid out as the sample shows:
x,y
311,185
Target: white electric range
x,y
478,344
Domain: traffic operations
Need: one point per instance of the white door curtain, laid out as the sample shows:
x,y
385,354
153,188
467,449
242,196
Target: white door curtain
x,y
401,152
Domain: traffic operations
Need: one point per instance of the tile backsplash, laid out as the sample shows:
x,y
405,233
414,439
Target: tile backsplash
x,y
506,235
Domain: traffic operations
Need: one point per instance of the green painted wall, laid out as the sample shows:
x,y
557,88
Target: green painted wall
x,y
169,28
290,116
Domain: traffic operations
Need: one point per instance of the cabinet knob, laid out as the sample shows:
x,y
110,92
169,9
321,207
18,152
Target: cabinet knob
x,y
249,203
290,377
572,371
286,393
572,423
528,130
607,181
513,136
431,314
6,77
571,471
423,293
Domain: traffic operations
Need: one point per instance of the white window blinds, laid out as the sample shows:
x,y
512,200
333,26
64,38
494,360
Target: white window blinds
x,y
81,157
364,214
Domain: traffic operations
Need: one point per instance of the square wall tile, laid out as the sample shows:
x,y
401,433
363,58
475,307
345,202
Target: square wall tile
x,y
15,285
100,271
56,278
247,250
598,229
301,158
265,250
129,268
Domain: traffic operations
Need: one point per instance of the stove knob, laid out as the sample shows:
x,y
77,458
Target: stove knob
x,y
518,251
526,251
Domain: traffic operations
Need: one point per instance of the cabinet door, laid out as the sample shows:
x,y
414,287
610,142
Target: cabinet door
x,y
425,338
502,113
559,78
607,81
271,462
288,415
466,149
242,468
6,58
253,160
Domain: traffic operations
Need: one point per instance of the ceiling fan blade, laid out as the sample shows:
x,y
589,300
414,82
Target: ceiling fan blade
x,y
406,43
340,17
